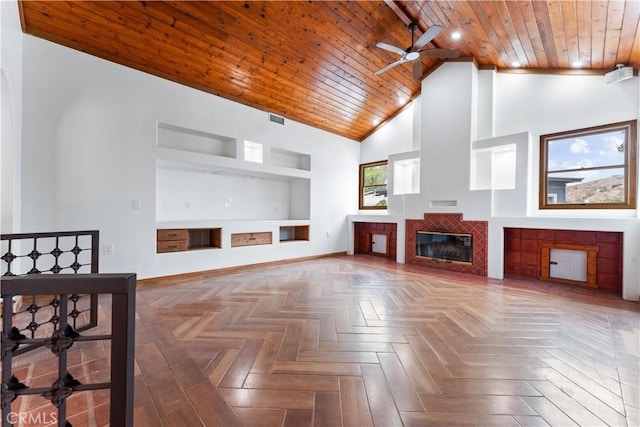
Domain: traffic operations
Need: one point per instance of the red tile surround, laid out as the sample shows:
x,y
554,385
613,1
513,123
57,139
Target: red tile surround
x,y
451,223
362,229
522,252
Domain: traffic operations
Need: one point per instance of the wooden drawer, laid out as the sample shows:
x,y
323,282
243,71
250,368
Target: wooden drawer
x,y
176,234
171,245
250,239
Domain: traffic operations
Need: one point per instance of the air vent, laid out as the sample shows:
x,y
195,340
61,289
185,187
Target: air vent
x,y
276,119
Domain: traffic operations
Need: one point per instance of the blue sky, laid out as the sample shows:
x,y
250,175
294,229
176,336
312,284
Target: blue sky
x,y
586,151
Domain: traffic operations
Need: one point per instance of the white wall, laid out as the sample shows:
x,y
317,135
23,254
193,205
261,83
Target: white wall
x,y
486,103
11,116
89,150
393,137
199,195
449,125
542,104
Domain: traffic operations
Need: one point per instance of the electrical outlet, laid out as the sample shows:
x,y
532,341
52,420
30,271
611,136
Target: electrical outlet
x,y
107,250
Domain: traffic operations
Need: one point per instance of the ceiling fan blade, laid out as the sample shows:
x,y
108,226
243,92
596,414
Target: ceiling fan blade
x,y
391,48
441,53
417,70
390,66
428,35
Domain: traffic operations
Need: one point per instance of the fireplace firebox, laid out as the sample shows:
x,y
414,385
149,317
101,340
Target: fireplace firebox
x,y
451,247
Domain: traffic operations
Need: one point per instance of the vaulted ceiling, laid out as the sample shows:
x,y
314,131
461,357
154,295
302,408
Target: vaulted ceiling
x,y
314,61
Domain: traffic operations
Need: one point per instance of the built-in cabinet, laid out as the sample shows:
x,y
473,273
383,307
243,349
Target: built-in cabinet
x,y
231,185
183,239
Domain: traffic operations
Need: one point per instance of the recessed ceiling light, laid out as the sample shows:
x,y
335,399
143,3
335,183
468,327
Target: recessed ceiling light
x,y
577,64
515,64
376,122
456,35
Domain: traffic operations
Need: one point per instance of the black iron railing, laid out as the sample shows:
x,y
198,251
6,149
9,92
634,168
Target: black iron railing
x,y
55,252
52,253
120,289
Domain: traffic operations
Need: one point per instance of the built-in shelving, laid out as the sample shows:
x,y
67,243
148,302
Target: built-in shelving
x,y
184,239
204,176
195,141
184,159
289,159
292,233
207,183
405,172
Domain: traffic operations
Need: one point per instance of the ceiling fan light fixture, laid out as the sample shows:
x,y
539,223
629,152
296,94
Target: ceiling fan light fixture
x,y
417,49
412,56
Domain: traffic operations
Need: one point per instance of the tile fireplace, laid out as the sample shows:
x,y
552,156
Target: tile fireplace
x,y
447,242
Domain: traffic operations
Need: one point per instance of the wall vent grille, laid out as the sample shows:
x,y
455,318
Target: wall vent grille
x,y
276,119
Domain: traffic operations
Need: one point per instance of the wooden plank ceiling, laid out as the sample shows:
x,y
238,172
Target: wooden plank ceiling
x,y
314,62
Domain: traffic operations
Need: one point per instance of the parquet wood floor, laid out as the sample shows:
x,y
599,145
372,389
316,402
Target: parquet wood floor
x,y
359,341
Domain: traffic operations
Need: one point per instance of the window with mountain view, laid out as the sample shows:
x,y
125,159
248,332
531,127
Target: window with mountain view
x,y
593,168
373,185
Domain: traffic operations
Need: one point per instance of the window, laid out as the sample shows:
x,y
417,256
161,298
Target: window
x,y
373,185
593,168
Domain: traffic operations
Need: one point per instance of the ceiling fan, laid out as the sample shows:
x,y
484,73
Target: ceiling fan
x,y
414,52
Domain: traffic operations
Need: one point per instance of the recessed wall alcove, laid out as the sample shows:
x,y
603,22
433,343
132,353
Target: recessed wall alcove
x,y
523,251
363,237
449,223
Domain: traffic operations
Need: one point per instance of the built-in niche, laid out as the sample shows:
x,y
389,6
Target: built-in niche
x,y
502,165
195,141
289,159
203,176
253,152
526,251
376,238
403,180
294,233
406,176
187,239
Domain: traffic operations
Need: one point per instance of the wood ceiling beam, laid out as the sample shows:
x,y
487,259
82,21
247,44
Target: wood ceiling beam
x,y
402,14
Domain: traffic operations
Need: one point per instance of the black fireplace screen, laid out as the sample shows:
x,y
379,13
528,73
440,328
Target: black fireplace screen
x,y
453,247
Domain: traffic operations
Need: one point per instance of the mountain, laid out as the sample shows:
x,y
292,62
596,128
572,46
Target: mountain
x,y
610,189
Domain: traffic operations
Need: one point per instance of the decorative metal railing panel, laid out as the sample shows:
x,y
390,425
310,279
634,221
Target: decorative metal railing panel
x,y
72,252
55,252
64,344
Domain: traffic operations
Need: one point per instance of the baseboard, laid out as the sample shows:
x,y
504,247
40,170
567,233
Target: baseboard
x,y
172,279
